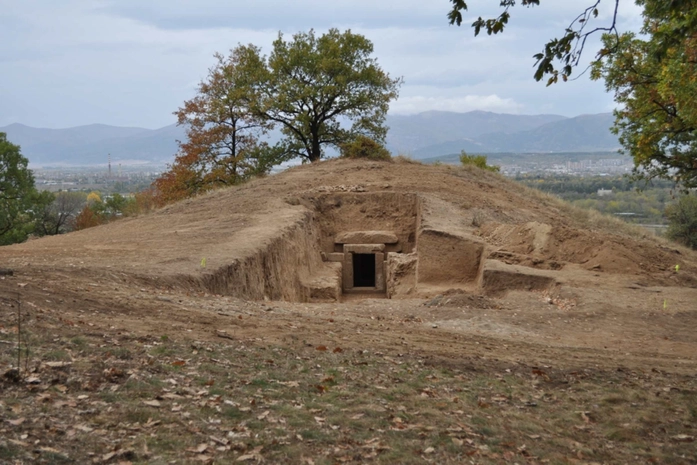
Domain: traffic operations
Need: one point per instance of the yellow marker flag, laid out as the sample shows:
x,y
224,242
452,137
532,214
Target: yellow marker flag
x,y
677,268
203,262
665,304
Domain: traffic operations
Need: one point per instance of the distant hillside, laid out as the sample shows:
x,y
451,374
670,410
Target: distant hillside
x,y
586,133
424,135
412,132
92,144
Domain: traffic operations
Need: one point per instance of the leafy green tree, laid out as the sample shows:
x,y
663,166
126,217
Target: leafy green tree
x,y
683,221
322,91
477,160
19,198
222,146
653,79
116,204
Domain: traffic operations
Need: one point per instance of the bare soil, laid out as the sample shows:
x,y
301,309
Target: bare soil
x,y
135,355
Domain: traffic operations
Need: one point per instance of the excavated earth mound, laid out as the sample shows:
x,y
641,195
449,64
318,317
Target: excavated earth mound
x,y
322,232
428,248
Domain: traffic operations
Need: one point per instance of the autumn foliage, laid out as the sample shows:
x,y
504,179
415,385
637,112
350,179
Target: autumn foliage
x,y
88,218
222,146
98,211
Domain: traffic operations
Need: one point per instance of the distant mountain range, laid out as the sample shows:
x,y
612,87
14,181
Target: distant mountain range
x,y
95,143
437,133
425,135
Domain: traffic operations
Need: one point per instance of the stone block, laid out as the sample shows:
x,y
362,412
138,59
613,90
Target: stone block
x,y
446,258
366,237
380,272
498,278
400,274
363,248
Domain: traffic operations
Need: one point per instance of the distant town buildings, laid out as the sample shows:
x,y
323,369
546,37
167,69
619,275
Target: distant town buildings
x,y
128,179
584,167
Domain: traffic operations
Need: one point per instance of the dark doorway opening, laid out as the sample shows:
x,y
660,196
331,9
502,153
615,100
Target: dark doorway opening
x,y
363,270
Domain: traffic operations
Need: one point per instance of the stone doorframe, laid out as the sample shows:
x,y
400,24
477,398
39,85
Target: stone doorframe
x,y
373,249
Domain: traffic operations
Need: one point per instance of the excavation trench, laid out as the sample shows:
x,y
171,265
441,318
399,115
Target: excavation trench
x,y
367,244
338,244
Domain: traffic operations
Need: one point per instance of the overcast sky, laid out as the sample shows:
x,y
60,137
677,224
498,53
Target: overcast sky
x,y
133,62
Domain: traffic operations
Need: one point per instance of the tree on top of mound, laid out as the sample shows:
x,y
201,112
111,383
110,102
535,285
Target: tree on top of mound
x,y
321,91
222,146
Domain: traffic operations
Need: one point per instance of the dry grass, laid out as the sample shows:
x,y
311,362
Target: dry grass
x,y
172,400
406,159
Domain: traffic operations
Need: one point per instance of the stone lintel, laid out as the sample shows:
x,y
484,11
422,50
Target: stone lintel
x,y
366,237
363,248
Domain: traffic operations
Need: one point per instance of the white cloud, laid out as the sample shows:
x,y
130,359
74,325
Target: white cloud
x,y
417,104
133,62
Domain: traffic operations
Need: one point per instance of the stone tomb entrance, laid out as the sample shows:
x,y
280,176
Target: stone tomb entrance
x,y
363,259
363,268
358,233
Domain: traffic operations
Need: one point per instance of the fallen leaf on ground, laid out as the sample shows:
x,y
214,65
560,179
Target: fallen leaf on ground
x,y
253,455
289,383
57,364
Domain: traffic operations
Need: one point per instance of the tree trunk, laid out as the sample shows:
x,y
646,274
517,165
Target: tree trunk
x,y
316,150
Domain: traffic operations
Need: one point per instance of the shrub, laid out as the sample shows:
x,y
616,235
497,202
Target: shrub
x,y
477,160
682,216
365,147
